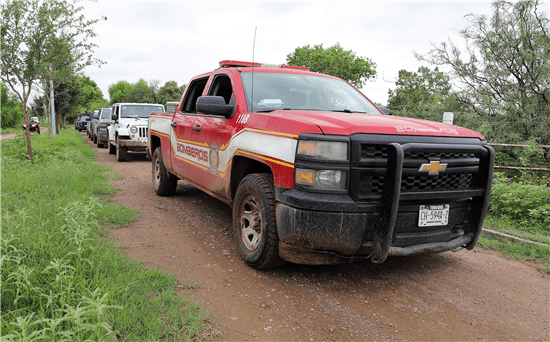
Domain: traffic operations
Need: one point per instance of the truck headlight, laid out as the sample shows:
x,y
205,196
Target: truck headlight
x,y
331,150
321,179
133,129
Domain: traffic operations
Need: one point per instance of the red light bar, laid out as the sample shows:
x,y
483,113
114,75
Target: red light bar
x,y
229,63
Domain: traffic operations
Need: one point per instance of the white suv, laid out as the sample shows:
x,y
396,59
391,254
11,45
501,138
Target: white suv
x,y
128,129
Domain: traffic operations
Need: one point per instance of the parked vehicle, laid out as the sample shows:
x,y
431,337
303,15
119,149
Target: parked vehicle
x,y
101,137
90,119
81,123
316,173
128,129
34,124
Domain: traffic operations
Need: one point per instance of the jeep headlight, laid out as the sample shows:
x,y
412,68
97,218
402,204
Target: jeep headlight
x,y
321,179
133,129
331,150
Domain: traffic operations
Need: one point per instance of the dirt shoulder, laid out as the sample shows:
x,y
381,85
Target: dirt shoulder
x,y
469,295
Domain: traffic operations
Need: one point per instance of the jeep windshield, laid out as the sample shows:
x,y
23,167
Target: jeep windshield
x,y
280,91
139,111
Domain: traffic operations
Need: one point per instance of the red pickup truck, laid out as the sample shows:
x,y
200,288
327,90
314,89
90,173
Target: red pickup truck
x,y
315,172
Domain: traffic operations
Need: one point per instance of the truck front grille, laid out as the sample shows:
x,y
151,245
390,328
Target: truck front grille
x,y
370,165
143,132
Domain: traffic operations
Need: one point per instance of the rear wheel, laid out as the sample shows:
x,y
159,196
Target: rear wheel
x,y
121,151
164,182
254,221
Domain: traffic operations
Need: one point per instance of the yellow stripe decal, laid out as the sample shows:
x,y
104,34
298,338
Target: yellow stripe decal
x,y
265,158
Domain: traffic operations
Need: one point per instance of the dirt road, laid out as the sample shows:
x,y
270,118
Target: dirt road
x,y
469,295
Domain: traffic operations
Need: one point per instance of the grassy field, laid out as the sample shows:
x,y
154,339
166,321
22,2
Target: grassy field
x,y
61,278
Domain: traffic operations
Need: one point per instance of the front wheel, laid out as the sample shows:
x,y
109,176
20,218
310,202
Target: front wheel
x,y
164,182
121,151
254,221
112,148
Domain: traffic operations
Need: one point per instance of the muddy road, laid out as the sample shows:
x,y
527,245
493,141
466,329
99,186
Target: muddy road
x,y
469,295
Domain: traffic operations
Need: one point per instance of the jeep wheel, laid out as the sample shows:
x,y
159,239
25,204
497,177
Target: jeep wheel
x,y
164,182
254,221
121,151
112,148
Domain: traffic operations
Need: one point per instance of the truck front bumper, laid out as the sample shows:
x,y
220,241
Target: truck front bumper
x,y
321,228
102,138
134,145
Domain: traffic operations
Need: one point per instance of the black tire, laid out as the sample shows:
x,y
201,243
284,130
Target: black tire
x,y
164,182
121,151
95,139
112,148
254,221
100,145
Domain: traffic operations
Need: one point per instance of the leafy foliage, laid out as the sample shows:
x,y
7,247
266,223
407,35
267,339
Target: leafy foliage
x,y
527,204
425,94
506,72
146,92
334,61
12,114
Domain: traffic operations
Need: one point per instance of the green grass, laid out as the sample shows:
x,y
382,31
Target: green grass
x,y
10,130
520,206
61,279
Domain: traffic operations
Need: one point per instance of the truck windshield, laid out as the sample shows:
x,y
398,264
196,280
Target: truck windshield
x,y
279,91
139,111
106,113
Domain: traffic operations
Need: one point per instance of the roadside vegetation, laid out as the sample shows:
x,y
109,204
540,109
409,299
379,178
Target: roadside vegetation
x,y
520,206
62,279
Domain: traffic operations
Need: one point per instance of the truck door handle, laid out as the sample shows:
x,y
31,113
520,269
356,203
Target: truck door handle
x,y
196,128
174,124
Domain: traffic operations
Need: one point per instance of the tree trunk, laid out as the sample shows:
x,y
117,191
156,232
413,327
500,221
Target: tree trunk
x,y
57,122
27,131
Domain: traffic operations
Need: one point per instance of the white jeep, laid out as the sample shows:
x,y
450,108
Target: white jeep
x,y
128,129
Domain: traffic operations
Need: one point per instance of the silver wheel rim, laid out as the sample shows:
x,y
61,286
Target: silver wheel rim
x,y
251,223
157,172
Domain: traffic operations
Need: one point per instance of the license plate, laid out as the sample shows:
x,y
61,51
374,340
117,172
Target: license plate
x,y
433,215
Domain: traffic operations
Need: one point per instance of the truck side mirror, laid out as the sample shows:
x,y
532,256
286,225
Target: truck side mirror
x,y
114,117
214,105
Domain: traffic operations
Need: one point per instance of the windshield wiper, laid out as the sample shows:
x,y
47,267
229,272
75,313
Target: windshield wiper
x,y
346,111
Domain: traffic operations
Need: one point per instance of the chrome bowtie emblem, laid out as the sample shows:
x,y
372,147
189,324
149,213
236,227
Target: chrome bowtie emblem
x,y
433,168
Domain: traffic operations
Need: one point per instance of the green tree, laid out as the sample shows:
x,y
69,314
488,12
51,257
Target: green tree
x,y
334,61
119,91
504,74
424,94
38,37
90,96
170,92
10,109
141,92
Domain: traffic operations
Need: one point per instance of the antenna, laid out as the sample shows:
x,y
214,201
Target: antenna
x,y
253,49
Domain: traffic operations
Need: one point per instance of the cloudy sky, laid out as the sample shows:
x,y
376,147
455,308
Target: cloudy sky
x,y
176,40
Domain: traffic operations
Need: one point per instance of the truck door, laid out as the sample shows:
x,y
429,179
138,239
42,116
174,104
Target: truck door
x,y
187,155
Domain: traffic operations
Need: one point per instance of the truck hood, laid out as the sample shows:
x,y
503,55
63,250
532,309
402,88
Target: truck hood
x,y
350,123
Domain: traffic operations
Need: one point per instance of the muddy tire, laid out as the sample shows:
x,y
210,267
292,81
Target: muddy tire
x,y
164,182
254,221
121,151
112,148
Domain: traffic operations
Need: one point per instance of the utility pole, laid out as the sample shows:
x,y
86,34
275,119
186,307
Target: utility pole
x,y
52,105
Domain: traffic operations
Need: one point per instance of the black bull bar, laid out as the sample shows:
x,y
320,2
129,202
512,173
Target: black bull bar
x,y
384,226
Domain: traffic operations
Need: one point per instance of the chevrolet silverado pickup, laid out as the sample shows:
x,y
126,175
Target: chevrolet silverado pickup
x,y
315,173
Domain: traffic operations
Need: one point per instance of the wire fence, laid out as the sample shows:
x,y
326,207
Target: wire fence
x,y
522,168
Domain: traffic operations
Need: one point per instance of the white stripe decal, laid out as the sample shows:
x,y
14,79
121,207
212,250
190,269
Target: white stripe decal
x,y
281,148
